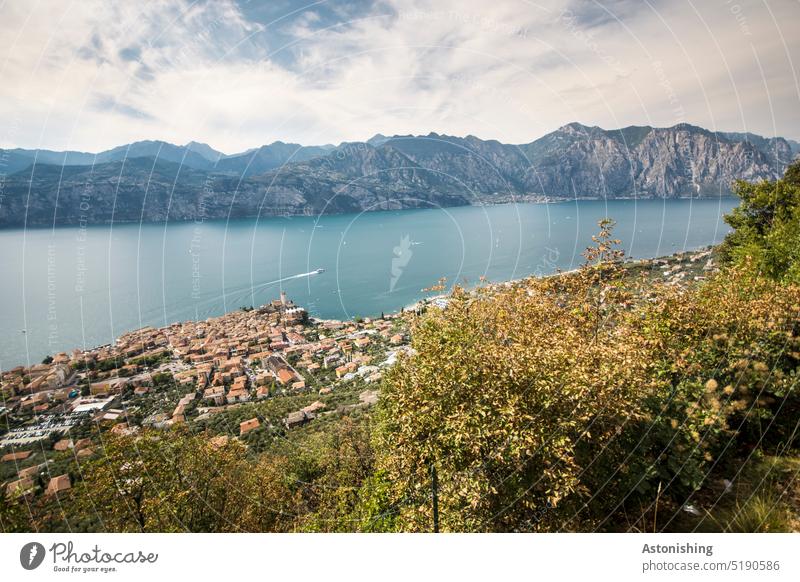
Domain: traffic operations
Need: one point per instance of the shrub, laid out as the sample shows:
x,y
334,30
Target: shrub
x,y
512,397
156,482
560,403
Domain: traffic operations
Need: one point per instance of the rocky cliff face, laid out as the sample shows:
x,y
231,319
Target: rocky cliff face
x,y
396,172
649,162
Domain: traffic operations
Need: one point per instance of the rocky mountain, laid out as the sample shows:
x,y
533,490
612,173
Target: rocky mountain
x,y
205,150
268,157
195,155
682,160
766,145
156,181
14,160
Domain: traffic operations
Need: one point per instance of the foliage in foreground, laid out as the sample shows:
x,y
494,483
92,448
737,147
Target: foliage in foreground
x,y
564,403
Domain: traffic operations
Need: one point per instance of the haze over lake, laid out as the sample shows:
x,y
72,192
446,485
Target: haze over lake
x,y
70,287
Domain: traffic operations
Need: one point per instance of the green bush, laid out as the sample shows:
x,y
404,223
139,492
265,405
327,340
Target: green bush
x,y
767,227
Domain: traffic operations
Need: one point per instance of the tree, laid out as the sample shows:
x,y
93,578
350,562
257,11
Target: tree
x,y
334,468
766,227
13,514
162,482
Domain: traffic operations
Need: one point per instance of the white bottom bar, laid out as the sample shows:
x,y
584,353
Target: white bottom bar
x,y
410,557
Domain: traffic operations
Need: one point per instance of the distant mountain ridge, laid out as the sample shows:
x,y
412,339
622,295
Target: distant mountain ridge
x,y
154,180
198,156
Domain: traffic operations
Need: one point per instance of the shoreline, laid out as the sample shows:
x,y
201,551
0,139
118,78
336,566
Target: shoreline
x,y
533,199
422,302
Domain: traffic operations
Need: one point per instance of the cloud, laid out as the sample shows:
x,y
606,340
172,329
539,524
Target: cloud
x,y
106,103
130,53
92,75
589,14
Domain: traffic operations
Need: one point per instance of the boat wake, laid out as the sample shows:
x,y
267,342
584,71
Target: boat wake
x,y
289,278
232,297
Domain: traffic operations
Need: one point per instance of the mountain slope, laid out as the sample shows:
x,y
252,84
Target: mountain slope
x,y
267,158
682,160
195,155
130,183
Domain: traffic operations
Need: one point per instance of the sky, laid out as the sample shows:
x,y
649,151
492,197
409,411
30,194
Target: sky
x,y
89,75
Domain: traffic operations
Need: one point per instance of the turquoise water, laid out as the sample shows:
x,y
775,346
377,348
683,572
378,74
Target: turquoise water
x,y
71,287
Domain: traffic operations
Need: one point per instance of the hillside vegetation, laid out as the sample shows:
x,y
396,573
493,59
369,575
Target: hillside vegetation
x,y
593,401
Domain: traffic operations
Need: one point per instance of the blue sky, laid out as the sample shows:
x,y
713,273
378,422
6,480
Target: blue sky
x,y
90,74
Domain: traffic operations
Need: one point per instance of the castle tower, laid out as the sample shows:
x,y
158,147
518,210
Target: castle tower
x,y
283,298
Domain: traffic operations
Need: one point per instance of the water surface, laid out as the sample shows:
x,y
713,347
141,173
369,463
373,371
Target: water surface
x,y
70,287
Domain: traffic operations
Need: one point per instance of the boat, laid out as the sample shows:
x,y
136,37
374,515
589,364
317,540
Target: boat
x,y
317,271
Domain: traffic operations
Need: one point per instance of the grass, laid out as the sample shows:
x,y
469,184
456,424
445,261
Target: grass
x,y
764,498
760,513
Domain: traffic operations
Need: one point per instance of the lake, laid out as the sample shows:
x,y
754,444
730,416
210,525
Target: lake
x,y
78,287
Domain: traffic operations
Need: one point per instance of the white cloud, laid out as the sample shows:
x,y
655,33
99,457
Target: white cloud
x,y
93,75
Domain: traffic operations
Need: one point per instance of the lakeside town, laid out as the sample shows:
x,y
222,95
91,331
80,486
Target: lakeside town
x,y
251,374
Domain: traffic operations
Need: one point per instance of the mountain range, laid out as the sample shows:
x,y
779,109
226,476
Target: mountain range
x,y
156,181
